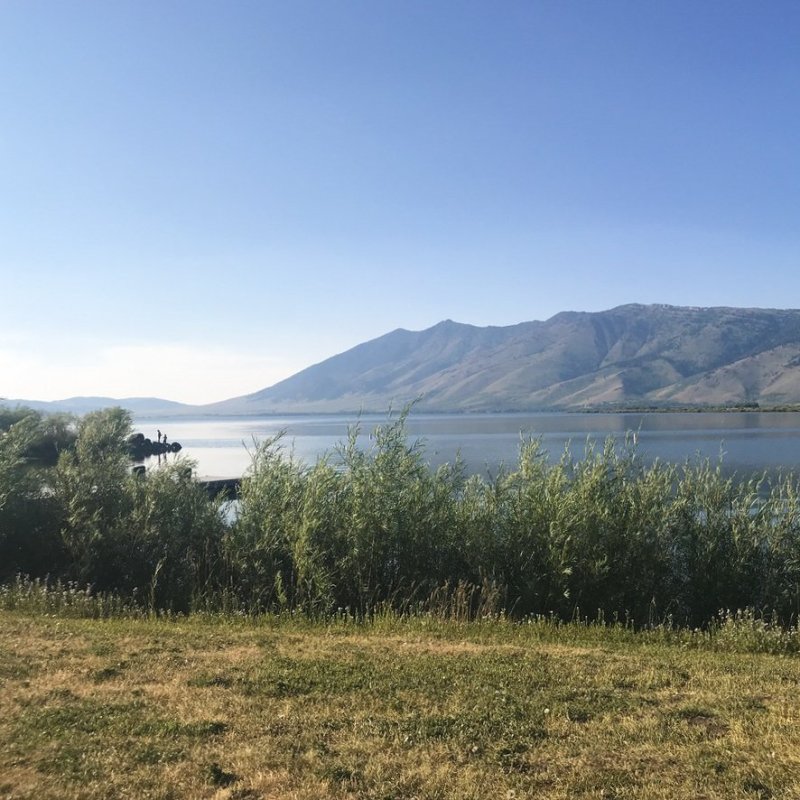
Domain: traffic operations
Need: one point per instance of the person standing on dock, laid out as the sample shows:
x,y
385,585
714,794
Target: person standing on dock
x,y
159,437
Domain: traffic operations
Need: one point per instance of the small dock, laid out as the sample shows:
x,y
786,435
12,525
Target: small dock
x,y
227,487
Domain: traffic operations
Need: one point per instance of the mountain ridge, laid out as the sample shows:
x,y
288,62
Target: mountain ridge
x,y
634,354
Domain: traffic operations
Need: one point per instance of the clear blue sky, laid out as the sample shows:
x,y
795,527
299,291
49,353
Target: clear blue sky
x,y
198,199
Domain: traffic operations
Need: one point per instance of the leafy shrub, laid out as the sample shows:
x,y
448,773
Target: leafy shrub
x,y
604,536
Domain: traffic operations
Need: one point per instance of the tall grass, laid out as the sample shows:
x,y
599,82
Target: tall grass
x,y
43,597
600,536
604,533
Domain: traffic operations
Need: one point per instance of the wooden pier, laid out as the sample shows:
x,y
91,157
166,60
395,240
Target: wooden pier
x,y
227,487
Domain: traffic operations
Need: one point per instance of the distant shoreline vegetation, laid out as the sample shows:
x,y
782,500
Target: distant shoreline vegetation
x,y
684,408
602,535
610,408
621,407
603,408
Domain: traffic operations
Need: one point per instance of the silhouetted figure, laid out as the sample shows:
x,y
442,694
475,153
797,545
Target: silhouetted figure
x,y
159,437
165,438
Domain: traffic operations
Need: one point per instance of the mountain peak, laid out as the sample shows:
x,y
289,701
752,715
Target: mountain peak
x,y
633,353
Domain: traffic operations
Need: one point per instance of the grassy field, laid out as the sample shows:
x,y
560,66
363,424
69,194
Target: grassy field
x,y
287,708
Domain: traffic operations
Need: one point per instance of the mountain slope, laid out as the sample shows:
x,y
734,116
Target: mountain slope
x,y
633,353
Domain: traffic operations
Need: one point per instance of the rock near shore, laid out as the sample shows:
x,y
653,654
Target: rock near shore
x,y
140,447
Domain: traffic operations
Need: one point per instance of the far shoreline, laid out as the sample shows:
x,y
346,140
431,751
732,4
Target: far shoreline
x,y
683,409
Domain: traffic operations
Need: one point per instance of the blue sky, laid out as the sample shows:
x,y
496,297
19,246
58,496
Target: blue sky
x,y
198,199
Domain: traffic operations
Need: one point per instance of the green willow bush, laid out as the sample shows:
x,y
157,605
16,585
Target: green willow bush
x,y
30,539
89,520
603,536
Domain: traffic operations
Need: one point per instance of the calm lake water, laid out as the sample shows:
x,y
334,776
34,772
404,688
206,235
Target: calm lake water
x,y
747,441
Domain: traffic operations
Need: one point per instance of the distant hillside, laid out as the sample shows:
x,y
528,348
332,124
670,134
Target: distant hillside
x,y
142,406
631,354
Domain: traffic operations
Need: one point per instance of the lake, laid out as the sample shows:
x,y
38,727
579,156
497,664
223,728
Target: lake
x,y
748,441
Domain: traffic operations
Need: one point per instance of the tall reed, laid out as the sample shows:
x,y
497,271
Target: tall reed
x,y
604,533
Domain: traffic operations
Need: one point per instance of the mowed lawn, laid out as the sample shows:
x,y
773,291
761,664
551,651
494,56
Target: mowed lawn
x,y
282,708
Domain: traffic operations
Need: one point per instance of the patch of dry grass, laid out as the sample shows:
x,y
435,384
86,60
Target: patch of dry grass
x,y
195,708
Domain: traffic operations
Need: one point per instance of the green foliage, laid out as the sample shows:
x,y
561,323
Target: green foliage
x,y
29,529
157,535
41,438
85,518
90,484
257,548
362,531
373,525
173,539
605,534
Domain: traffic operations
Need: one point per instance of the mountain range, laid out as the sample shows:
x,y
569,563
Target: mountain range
x,y
634,354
